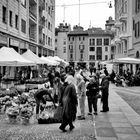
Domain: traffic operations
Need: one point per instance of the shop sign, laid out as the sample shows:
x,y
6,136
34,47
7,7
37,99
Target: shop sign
x,y
14,42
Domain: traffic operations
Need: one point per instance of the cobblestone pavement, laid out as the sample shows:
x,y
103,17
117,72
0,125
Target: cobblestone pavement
x,y
120,123
84,130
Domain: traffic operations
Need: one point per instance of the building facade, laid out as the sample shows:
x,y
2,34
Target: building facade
x,y
89,47
28,24
124,28
136,28
61,40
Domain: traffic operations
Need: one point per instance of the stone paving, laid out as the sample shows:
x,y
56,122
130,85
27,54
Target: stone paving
x,y
120,123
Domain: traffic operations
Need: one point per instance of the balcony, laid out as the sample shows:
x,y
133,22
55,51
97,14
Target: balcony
x,y
41,5
32,16
123,17
124,36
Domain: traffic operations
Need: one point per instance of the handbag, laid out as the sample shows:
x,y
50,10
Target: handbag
x,y
58,113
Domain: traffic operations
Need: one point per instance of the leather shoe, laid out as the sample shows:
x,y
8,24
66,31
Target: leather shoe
x,y
63,129
71,128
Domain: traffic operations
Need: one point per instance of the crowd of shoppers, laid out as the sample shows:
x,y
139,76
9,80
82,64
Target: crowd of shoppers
x,y
72,86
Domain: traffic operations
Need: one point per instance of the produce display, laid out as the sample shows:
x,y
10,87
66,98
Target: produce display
x,y
36,81
19,107
47,116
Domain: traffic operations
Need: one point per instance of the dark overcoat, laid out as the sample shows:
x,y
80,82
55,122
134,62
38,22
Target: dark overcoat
x,y
70,102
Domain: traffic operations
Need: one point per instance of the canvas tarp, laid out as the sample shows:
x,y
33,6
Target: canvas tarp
x,y
9,57
33,57
127,60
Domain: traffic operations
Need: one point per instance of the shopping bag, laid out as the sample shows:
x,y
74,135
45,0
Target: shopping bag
x,y
58,113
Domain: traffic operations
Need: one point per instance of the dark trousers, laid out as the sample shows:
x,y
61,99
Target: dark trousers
x,y
38,107
105,101
92,101
66,122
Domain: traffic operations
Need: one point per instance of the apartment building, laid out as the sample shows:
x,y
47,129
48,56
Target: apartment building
x,y
124,28
88,47
28,24
99,45
77,46
61,40
136,28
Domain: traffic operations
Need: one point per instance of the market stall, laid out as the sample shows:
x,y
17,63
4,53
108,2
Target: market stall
x,y
11,59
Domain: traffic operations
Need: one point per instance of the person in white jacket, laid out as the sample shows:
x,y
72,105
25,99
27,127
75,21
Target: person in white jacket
x,y
81,91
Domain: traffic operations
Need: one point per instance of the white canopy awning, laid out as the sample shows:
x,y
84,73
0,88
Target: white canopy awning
x,y
49,61
9,57
32,57
127,60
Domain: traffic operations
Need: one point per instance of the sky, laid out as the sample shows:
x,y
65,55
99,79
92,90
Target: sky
x,y
93,13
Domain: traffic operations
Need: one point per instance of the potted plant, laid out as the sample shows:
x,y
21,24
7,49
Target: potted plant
x,y
12,113
25,113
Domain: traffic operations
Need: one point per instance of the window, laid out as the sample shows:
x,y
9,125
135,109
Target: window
x,y
64,43
137,28
83,38
46,7
47,39
69,38
49,25
106,41
106,49
4,14
99,41
91,57
81,55
64,50
106,57
72,38
71,56
23,26
10,18
16,21
92,42
23,3
81,47
137,6
43,39
92,49
49,10
70,47
79,38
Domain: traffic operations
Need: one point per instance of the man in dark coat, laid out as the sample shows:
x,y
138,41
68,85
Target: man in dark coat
x,y
105,92
92,91
69,103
